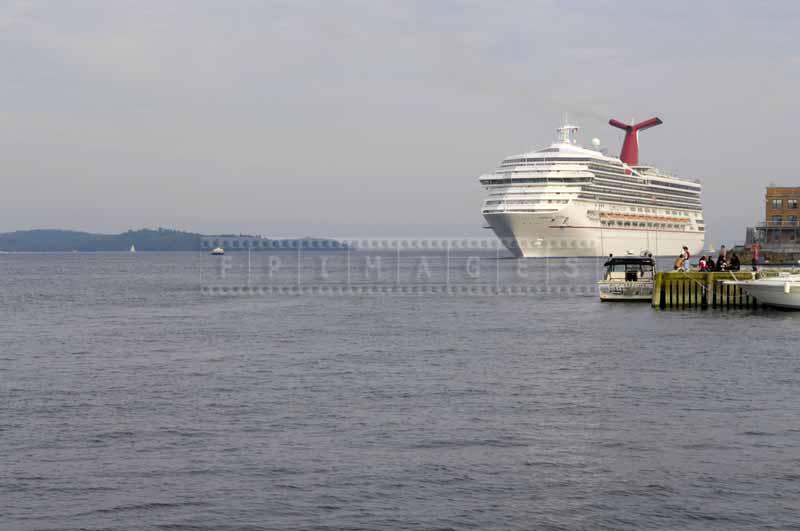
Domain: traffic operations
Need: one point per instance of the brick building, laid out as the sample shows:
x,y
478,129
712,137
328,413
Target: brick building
x,y
781,213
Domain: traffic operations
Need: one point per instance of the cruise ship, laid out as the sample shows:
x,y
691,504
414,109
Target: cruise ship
x,y
566,200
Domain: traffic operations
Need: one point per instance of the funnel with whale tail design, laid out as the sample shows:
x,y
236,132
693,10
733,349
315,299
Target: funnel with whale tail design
x,y
630,147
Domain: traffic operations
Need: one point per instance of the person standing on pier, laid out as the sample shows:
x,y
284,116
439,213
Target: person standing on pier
x,y
685,255
735,263
756,248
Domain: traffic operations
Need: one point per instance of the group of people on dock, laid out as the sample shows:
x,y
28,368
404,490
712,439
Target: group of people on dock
x,y
706,264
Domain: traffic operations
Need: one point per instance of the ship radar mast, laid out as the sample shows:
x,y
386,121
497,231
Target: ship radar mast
x,y
566,133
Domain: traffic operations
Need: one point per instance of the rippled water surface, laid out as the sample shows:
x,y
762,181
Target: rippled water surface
x,y
132,401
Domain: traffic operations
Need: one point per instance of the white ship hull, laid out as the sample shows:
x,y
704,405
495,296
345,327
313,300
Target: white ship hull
x,y
538,236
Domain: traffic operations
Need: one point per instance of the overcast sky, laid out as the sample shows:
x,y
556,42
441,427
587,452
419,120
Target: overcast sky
x,y
339,118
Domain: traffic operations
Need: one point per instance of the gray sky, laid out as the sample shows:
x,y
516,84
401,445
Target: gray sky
x,y
374,118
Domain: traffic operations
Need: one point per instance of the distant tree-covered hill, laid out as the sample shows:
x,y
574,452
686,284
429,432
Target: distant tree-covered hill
x,y
44,240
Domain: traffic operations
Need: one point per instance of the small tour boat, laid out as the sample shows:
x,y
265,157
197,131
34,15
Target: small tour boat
x,y
218,251
627,278
782,291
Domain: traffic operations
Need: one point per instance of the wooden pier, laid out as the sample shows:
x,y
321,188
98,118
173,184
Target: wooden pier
x,y
679,289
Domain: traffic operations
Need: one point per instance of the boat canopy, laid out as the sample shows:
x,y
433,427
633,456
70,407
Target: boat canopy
x,y
630,260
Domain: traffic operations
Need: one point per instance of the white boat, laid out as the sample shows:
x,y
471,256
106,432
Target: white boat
x,y
782,291
567,200
627,278
218,251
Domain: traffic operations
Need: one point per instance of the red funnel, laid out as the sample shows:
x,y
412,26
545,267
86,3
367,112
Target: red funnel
x,y
630,147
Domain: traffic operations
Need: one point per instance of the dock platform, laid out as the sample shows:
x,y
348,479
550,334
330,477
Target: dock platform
x,y
679,289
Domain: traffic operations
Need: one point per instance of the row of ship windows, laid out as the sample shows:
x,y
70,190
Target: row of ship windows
x,y
544,160
645,188
659,201
570,177
643,180
696,188
612,223
610,174
639,178
624,199
515,193
621,198
639,199
507,172
543,180
637,184
518,210
603,206
646,210
528,202
543,169
648,224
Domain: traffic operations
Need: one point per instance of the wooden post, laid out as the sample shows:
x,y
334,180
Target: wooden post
x,y
704,293
668,289
712,282
687,282
657,283
689,291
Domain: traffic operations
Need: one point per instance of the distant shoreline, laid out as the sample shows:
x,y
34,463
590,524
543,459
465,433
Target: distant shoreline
x,y
144,240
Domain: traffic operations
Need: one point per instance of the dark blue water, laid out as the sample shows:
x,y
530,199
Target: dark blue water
x,y
129,400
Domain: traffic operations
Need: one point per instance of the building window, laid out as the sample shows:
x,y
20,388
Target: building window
x,y
776,220
777,203
791,203
792,220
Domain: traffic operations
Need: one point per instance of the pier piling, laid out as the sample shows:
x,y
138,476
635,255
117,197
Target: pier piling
x,y
679,289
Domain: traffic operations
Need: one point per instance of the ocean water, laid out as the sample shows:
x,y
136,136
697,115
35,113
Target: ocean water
x,y
131,400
